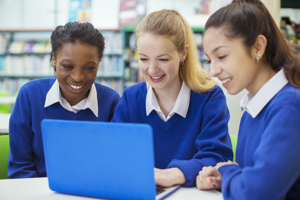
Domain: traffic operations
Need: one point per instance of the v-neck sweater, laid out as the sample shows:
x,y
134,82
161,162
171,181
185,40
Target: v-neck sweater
x,y
267,152
26,156
200,139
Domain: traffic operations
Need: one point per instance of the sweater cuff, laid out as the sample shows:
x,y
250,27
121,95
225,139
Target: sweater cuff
x,y
225,168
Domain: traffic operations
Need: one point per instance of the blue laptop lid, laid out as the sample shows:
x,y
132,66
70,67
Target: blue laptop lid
x,y
99,159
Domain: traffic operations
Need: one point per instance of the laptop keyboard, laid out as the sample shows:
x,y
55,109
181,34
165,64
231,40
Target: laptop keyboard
x,y
159,190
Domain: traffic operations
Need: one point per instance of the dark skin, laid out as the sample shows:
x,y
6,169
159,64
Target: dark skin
x,y
76,67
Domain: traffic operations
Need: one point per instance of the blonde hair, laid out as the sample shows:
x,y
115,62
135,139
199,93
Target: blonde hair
x,y
171,24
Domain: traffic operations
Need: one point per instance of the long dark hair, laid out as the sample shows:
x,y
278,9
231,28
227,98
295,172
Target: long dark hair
x,y
247,19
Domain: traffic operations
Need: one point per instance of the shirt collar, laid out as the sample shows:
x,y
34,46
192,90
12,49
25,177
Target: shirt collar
x,y
54,96
181,105
254,104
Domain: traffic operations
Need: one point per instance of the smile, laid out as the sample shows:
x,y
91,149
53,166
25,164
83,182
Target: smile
x,y
225,80
157,77
76,87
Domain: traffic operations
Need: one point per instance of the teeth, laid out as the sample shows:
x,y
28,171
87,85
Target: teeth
x,y
225,81
76,87
157,77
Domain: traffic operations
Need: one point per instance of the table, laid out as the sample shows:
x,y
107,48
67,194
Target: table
x,y
4,122
37,188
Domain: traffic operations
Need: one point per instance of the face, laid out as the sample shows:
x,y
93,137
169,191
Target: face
x,y
230,61
76,69
159,62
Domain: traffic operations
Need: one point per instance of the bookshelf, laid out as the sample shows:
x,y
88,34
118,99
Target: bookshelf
x,y
131,67
25,55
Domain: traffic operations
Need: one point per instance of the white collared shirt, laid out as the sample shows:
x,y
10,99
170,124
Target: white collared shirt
x,y
254,105
91,102
181,105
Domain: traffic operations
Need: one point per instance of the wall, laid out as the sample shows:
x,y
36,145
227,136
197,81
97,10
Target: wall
x,y
37,14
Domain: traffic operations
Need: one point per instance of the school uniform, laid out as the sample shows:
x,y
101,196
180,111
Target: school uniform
x,y
41,99
193,135
268,145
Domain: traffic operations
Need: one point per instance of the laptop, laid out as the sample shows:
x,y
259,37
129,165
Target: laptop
x,y
101,159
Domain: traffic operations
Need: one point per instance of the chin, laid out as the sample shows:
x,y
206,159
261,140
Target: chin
x,y
233,92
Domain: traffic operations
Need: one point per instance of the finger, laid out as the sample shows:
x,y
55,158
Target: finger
x,y
201,184
208,171
217,181
210,182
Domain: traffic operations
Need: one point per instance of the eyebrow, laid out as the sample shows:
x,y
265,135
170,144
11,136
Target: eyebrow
x,y
69,60
216,49
157,56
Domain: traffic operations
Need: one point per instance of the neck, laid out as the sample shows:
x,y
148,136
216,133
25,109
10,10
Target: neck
x,y
166,98
263,75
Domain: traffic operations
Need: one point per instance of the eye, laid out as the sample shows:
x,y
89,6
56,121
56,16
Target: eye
x,y
67,66
164,59
221,57
90,68
143,59
208,61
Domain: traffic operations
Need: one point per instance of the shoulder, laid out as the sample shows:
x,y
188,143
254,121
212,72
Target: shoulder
x,y
138,88
287,96
285,103
36,85
214,94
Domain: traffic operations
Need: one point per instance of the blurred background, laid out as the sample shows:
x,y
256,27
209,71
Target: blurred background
x,y
26,26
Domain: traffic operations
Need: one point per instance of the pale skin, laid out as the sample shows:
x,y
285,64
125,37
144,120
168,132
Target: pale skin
x,y
237,68
159,62
210,178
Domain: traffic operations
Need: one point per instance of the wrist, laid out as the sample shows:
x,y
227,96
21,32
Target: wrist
x,y
178,176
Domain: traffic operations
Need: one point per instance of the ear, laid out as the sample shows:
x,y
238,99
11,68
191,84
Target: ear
x,y
184,52
259,47
53,62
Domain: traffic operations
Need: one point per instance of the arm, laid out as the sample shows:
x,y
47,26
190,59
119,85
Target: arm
x,y
276,160
20,160
168,177
213,142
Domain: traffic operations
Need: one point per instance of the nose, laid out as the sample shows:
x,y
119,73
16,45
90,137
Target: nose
x,y
214,70
153,68
77,75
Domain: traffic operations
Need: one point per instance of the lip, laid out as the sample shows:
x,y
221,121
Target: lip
x,y
157,80
226,84
76,90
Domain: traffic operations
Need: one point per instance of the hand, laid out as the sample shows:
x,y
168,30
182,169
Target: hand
x,y
168,177
209,178
220,164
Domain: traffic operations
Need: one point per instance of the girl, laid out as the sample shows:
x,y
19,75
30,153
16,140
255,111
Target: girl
x,y
77,49
247,50
185,108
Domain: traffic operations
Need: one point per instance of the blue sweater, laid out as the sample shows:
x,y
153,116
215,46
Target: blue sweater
x,y
26,156
200,139
268,152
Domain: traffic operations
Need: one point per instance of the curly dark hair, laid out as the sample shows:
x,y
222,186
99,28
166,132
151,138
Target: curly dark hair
x,y
73,32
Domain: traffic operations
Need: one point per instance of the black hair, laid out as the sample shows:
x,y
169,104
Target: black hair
x,y
73,32
247,19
